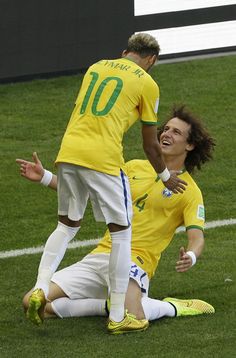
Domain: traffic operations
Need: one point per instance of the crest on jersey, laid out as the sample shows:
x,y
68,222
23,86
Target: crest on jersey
x,y
167,193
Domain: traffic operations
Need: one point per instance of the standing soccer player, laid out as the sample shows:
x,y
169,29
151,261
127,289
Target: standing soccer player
x,y
114,94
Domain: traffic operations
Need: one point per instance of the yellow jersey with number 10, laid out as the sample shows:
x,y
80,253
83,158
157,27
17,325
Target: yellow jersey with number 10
x,y
113,95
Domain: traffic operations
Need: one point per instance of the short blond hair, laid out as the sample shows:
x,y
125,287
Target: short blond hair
x,y
143,44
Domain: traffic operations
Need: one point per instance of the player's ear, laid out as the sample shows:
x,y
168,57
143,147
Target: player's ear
x,y
124,53
154,59
190,147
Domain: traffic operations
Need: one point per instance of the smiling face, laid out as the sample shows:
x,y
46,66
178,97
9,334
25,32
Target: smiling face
x,y
174,139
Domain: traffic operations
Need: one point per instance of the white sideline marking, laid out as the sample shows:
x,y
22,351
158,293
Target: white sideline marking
x,y
76,244
37,250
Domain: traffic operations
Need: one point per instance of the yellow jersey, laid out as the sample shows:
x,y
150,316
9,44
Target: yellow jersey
x,y
157,213
113,95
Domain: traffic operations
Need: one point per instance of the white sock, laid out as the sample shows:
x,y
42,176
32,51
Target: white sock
x,y
53,253
65,307
155,309
119,268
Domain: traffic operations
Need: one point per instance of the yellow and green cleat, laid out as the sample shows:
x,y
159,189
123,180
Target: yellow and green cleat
x,y
37,303
129,324
192,307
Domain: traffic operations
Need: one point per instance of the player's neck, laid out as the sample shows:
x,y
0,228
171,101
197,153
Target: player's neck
x,y
137,59
174,163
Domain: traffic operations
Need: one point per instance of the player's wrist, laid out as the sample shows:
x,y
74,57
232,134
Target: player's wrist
x,y
46,178
165,175
193,257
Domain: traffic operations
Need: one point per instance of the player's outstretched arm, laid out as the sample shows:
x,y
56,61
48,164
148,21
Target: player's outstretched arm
x,y
188,258
35,171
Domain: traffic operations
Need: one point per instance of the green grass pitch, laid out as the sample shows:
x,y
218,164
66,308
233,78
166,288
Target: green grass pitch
x,y
33,117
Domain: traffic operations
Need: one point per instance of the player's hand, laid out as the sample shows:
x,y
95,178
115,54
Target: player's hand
x,y
174,183
185,261
32,171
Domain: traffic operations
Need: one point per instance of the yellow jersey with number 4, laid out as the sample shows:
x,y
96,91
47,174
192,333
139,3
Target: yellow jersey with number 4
x,y
113,95
157,213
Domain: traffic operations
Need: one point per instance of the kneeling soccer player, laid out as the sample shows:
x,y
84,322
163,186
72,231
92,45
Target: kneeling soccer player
x,y
83,288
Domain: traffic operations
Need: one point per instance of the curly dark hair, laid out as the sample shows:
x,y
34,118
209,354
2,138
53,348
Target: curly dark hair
x,y
198,136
